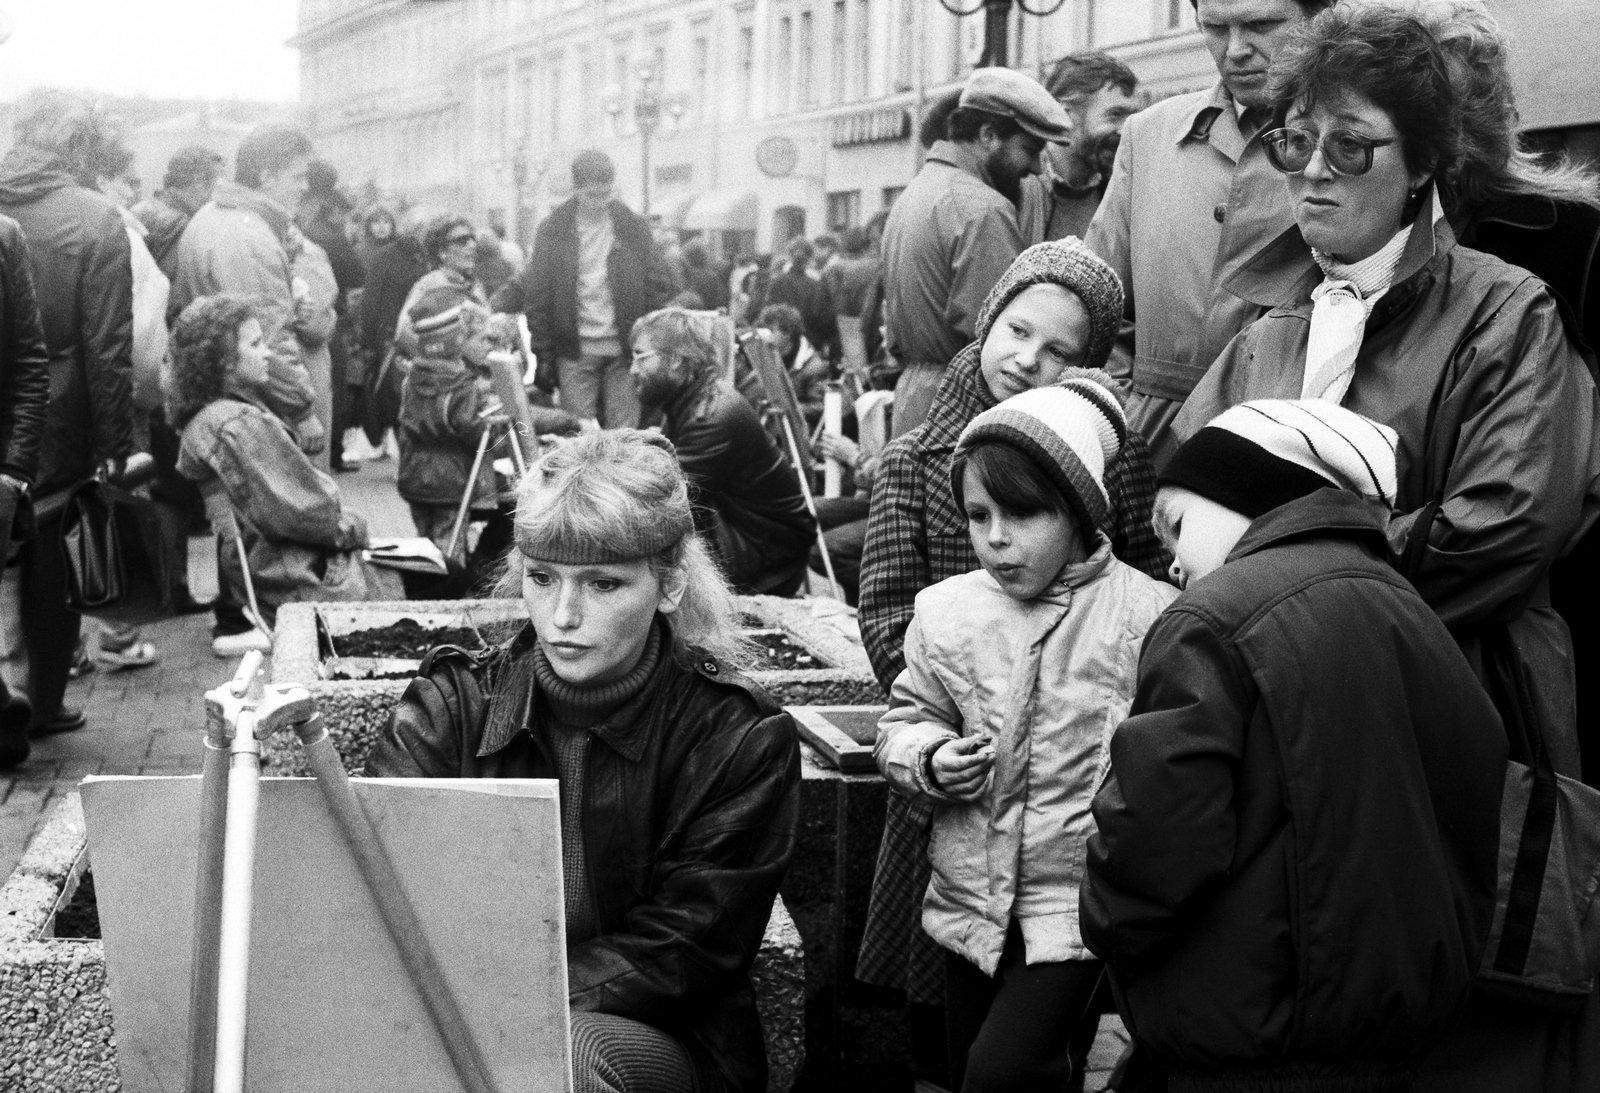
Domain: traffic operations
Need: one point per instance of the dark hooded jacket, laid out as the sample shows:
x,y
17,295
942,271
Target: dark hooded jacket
x,y
690,799
1294,870
441,406
164,217
83,275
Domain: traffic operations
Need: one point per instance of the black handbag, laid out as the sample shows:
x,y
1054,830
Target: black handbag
x,y
111,551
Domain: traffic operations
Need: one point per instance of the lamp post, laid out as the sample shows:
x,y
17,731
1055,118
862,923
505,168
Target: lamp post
x,y
650,106
997,23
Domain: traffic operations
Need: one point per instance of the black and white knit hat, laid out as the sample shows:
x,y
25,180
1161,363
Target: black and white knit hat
x,y
1073,266
1072,430
1266,453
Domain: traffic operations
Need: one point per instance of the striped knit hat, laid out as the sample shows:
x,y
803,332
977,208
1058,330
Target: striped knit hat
x,y
1073,266
1072,431
1266,453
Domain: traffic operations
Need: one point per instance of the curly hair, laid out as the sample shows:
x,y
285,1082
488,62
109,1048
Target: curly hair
x,y
1082,74
696,339
81,131
1438,69
205,347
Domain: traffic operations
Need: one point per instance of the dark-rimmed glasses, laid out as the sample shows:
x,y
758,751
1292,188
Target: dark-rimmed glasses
x,y
1345,152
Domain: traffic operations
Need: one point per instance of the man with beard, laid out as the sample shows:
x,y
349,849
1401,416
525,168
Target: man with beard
x,y
954,231
1191,199
1099,93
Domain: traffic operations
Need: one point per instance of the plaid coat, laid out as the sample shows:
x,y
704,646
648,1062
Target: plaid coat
x,y
916,537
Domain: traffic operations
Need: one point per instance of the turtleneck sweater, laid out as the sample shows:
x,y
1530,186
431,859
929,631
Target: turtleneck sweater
x,y
570,710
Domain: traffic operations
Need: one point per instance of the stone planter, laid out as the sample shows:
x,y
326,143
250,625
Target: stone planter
x,y
356,706
56,1033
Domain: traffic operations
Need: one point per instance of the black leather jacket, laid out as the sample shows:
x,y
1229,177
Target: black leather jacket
x,y
691,797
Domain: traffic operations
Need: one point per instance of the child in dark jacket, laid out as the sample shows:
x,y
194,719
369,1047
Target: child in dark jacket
x,y
1294,870
445,406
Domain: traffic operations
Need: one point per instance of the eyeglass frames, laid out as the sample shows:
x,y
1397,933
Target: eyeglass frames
x,y
1345,152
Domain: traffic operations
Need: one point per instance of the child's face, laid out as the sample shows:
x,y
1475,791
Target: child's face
x,y
1025,554
251,368
1040,333
1199,532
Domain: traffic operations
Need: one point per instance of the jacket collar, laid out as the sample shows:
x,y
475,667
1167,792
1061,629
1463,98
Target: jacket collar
x,y
511,713
1329,513
962,396
1216,122
1283,273
234,195
1078,574
963,157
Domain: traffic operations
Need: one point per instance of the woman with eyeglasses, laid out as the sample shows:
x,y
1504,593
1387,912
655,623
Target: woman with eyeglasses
x,y
451,245
1468,358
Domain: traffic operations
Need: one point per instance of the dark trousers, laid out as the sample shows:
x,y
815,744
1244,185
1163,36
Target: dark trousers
x,y
844,529
1027,1029
49,626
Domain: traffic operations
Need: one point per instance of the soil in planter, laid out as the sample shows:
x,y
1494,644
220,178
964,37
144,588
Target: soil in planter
x,y
775,651
406,638
80,918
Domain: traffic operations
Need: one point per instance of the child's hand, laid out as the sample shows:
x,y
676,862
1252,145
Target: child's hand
x,y
961,766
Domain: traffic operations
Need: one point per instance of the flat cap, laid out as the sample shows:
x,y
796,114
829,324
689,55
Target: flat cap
x,y
1018,96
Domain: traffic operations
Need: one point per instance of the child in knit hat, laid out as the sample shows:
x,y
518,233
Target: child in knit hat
x,y
445,405
1293,873
1015,676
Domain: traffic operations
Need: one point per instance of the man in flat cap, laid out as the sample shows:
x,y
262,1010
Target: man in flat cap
x,y
954,231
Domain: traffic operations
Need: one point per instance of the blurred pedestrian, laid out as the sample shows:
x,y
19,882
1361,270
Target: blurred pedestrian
x,y
800,288
394,262
324,217
82,270
451,245
595,269
191,176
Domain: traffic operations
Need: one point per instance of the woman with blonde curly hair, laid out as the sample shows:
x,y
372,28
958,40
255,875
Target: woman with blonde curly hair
x,y
302,543
679,778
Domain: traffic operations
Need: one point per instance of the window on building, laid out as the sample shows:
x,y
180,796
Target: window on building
x,y
584,104
700,87
622,77
906,47
783,65
861,66
840,54
844,210
555,100
746,55
808,60
1178,15
890,193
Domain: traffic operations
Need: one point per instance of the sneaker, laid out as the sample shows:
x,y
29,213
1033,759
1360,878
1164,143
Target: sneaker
x,y
237,645
66,719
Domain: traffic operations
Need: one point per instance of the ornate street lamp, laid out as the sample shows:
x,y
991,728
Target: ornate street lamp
x,y
997,23
650,106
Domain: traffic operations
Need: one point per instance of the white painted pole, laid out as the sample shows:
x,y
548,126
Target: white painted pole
x,y
238,877
832,423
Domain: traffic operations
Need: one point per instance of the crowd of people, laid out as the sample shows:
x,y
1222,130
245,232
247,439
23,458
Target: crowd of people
x,y
1218,488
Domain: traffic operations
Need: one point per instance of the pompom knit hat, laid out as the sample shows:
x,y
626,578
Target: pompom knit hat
x,y
1073,266
1072,431
1266,453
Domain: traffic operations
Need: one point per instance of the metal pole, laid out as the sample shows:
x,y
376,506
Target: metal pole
x,y
644,167
466,495
811,505
238,876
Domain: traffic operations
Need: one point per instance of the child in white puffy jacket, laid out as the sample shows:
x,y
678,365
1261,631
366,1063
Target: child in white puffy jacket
x,y
1016,675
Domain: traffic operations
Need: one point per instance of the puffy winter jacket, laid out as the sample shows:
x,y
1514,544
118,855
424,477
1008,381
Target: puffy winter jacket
x,y
691,795
440,424
83,278
1294,871
1048,679
24,364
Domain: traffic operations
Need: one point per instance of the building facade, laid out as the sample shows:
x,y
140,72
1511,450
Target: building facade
x,y
771,117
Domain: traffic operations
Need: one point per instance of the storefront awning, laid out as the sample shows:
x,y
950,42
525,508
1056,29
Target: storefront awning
x,y
723,210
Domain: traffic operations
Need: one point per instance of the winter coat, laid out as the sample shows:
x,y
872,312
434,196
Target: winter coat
x,y
83,280
393,268
691,795
24,361
1294,870
440,423
949,239
1048,679
1190,201
1468,360
405,335
546,288
747,501
318,317
239,242
917,536
302,542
